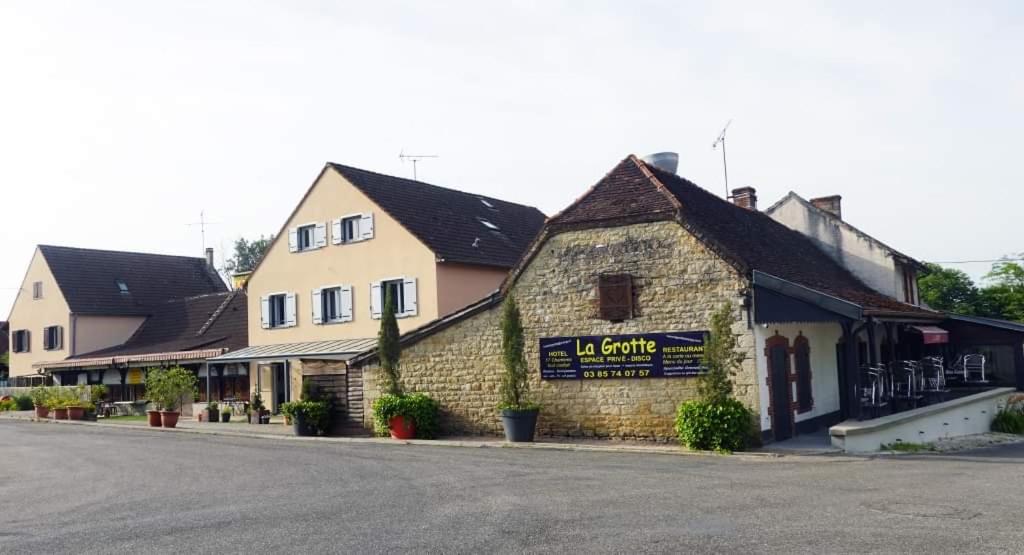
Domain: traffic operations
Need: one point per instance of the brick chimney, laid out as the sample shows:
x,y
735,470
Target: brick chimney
x,y
833,205
209,257
745,197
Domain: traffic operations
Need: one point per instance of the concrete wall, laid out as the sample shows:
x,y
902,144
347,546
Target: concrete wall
x,y
959,417
99,332
822,338
459,285
36,314
860,254
679,285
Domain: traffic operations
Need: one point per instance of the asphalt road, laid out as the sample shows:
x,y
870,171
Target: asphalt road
x,y
78,489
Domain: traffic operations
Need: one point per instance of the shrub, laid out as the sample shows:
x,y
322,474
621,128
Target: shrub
x,y
315,414
723,426
421,409
1008,421
40,395
23,402
389,350
515,382
166,387
8,404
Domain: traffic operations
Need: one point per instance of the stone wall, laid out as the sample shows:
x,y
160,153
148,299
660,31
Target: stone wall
x,y
679,284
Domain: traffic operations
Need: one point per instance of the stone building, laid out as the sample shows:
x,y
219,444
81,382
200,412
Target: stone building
x,y
647,253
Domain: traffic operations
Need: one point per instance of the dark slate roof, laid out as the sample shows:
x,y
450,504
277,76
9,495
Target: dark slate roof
x,y
449,221
88,279
747,239
217,320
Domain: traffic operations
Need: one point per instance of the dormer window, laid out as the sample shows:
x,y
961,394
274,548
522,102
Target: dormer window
x,y
122,286
488,224
487,203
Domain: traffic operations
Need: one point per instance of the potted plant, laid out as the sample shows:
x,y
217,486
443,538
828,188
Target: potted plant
x,y
225,415
308,417
212,411
58,404
256,409
74,404
175,383
40,398
518,414
154,390
389,410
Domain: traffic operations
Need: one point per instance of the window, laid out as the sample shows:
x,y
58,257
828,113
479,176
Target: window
x,y
332,304
802,360
122,286
37,290
352,228
21,340
307,237
402,290
909,280
488,224
488,204
53,338
278,310
615,297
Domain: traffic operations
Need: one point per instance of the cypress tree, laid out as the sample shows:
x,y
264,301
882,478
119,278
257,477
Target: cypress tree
x,y
388,349
515,382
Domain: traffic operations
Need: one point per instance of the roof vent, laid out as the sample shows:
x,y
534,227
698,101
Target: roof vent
x,y
664,161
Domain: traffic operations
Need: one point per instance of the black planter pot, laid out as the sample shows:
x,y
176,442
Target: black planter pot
x,y
225,416
520,425
301,427
212,415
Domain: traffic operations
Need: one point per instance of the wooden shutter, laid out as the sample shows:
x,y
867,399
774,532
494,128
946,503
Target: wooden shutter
x,y
318,306
290,314
802,360
293,240
375,301
366,227
27,347
60,338
265,311
409,296
615,296
320,235
336,231
346,303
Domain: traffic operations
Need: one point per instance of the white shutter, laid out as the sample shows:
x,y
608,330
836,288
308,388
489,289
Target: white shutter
x,y
289,310
293,239
409,293
346,303
318,306
320,235
265,311
60,338
366,227
375,301
336,231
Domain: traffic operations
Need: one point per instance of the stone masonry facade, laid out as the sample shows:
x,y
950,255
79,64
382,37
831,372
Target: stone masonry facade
x,y
678,284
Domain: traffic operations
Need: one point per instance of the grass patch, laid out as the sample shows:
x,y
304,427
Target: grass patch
x,y
127,418
907,447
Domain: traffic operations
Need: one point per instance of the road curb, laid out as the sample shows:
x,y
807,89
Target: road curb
x,y
753,455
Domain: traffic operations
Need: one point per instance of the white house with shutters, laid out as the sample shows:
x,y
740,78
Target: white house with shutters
x,y
318,293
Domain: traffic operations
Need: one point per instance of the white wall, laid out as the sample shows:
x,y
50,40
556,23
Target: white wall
x,y
858,253
822,338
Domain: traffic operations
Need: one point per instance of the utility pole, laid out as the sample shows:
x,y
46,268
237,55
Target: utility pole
x,y
725,166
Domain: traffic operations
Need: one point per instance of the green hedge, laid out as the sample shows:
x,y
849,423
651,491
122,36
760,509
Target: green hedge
x,y
722,426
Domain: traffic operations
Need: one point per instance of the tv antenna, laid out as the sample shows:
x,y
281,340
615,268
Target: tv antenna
x,y
414,158
202,223
725,166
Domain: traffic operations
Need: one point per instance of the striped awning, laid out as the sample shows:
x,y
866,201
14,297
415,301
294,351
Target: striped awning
x,y
176,356
340,349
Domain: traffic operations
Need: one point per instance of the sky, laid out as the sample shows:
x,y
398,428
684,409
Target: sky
x,y
121,121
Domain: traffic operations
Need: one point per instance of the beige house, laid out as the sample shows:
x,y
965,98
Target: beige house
x,y
317,295
74,301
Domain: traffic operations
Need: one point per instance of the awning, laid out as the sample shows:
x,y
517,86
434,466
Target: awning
x,y
933,335
176,356
341,349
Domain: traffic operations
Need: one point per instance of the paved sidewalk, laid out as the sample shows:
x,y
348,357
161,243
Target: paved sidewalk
x,y
281,432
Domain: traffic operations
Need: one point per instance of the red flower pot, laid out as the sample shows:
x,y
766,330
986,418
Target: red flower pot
x,y
402,427
154,418
76,413
42,412
60,414
169,418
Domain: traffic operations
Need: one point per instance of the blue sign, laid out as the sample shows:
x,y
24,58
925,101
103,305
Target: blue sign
x,y
649,355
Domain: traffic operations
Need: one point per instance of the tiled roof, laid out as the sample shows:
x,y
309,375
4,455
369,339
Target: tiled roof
x,y
747,239
450,222
211,321
88,279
